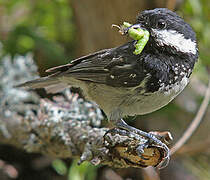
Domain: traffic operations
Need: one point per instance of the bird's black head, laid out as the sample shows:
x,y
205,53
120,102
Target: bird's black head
x,y
168,32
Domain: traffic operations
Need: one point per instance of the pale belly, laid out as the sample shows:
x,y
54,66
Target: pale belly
x,y
119,102
143,104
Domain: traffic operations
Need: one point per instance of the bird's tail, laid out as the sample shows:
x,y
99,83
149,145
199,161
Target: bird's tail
x,y
50,84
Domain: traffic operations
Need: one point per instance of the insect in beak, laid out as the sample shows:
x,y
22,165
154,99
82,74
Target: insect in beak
x,y
137,33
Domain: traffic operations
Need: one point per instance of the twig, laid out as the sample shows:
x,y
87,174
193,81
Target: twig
x,y
194,148
195,123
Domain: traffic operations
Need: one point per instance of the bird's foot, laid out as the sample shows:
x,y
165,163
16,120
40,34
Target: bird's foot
x,y
153,138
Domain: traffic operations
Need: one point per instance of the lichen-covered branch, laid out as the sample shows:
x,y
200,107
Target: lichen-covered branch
x,y
66,126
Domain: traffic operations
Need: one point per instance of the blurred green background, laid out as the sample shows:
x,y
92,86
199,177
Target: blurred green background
x,y
57,31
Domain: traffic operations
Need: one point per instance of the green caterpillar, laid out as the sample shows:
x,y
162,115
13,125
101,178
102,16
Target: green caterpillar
x,y
140,35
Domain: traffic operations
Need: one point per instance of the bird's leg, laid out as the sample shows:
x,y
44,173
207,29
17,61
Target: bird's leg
x,y
152,139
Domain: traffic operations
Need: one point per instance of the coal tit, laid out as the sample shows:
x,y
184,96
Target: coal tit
x,y
123,83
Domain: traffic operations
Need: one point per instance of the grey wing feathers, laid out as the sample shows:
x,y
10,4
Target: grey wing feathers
x,y
75,62
86,68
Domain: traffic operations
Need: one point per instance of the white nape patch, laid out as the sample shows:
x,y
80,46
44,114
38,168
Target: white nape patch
x,y
176,40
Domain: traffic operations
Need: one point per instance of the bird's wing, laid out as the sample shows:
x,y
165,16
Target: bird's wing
x,y
89,68
52,83
115,67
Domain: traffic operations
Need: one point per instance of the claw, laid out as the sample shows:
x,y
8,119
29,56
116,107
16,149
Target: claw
x,y
153,138
140,149
166,159
163,136
164,163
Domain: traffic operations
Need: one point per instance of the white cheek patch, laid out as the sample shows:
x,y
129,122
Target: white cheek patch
x,y
175,39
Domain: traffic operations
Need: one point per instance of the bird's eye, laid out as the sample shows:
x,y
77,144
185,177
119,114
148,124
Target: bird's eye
x,y
161,24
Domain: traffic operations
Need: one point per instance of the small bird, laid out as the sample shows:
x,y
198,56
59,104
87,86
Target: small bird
x,y
123,83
